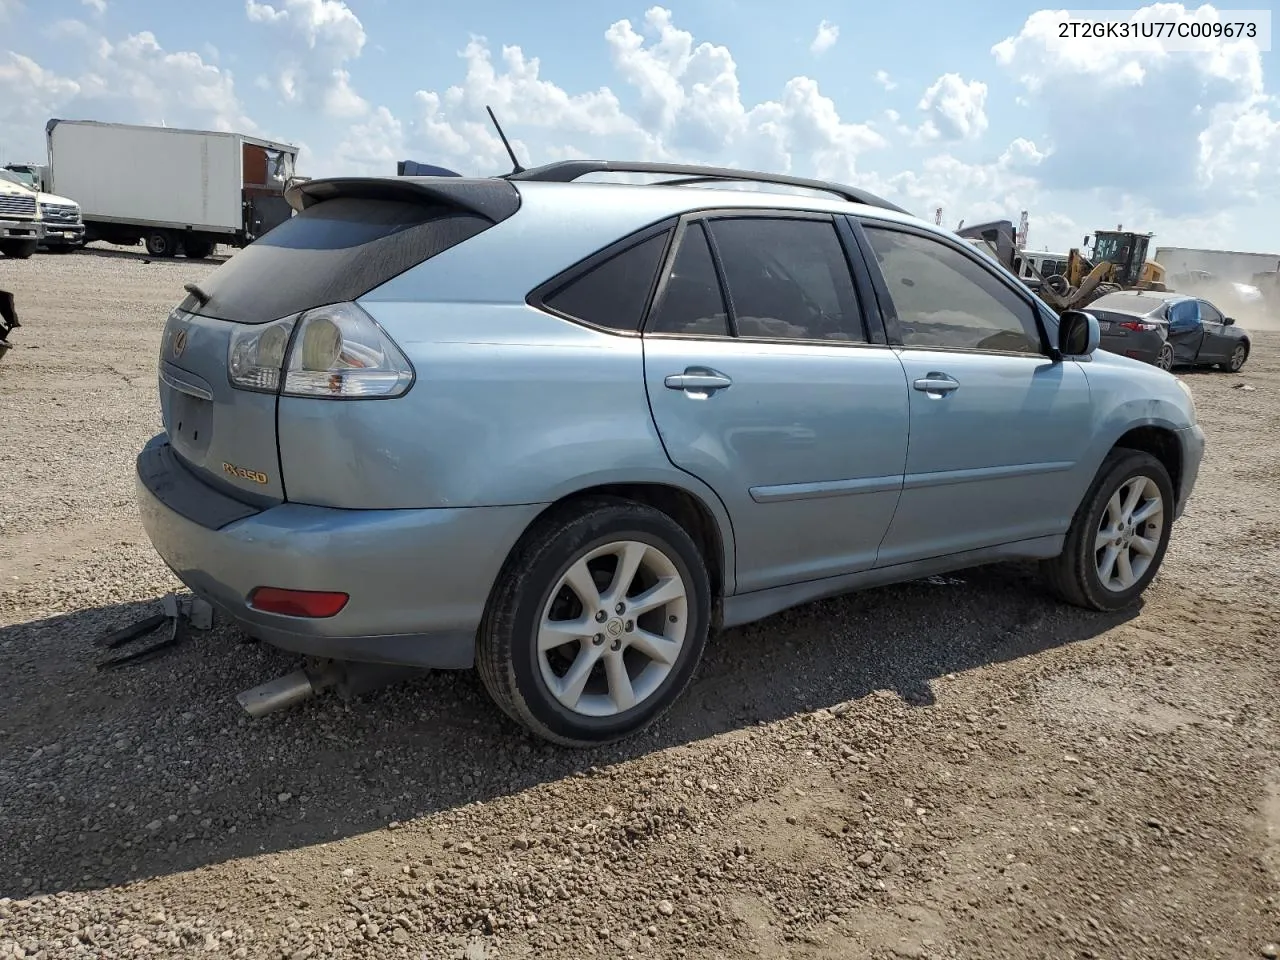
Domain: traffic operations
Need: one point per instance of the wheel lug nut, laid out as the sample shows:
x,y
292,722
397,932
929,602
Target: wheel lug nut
x,y
617,645
631,625
621,608
598,639
601,616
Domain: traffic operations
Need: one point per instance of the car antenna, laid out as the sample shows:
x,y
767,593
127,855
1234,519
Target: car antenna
x,y
505,142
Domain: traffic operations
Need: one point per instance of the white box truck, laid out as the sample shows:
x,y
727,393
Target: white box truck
x,y
177,191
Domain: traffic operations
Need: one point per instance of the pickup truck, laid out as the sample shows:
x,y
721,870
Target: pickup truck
x,y
31,218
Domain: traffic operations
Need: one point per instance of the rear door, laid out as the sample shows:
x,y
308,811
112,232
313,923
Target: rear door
x,y
1186,331
998,428
767,382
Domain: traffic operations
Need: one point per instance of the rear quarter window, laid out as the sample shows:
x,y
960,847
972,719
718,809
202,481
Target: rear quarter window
x,y
331,252
615,292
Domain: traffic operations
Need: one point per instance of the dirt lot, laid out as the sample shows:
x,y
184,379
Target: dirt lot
x,y
952,768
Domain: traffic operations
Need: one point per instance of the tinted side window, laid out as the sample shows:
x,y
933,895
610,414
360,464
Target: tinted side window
x,y
788,279
1184,315
614,293
1209,313
944,299
692,302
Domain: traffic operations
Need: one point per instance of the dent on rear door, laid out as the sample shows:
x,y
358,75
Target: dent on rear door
x,y
225,435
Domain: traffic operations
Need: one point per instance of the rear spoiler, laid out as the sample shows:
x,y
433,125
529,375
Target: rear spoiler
x,y
491,198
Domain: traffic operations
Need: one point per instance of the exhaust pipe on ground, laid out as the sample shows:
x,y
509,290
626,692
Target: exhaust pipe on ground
x,y
351,680
277,694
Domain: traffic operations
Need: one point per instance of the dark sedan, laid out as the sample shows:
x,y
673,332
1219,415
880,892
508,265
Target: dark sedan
x,y
1169,329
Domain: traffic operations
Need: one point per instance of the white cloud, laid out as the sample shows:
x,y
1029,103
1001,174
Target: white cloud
x,y
991,190
826,37
30,94
689,107
955,109
883,78
1196,129
372,147
321,36
132,81
97,6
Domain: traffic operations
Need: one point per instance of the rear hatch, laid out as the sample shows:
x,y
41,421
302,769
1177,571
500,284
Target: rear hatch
x,y
349,236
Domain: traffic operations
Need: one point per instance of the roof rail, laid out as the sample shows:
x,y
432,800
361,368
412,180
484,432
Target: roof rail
x,y
567,171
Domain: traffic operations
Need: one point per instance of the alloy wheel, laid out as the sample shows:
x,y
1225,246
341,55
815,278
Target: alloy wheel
x,y
613,628
1165,360
1237,357
1129,533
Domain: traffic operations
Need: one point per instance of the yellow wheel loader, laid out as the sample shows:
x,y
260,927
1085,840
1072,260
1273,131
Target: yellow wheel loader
x,y
1118,261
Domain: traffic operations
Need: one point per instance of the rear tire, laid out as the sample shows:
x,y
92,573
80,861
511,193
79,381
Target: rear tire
x,y
1111,553
160,243
197,249
1165,360
561,582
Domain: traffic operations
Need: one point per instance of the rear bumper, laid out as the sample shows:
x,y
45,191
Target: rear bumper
x,y
418,580
1192,443
1138,345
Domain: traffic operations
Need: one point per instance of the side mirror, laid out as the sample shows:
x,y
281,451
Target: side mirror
x,y
1078,333
1228,321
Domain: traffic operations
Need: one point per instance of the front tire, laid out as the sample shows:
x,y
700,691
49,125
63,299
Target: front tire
x,y
597,622
1119,535
1238,356
19,249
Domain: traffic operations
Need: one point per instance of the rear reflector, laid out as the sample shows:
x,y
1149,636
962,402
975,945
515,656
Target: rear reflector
x,y
297,603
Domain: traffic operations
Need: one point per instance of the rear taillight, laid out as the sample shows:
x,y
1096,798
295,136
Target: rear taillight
x,y
1139,326
337,352
313,604
256,358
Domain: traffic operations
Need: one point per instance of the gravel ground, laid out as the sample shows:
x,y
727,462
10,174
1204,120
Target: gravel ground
x,y
952,768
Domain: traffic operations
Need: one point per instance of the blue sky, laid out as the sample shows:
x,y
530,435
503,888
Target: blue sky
x,y
927,102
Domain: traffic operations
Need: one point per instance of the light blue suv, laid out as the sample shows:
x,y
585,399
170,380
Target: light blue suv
x,y
562,430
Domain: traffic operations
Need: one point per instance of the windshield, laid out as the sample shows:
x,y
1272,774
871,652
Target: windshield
x,y
16,178
1108,248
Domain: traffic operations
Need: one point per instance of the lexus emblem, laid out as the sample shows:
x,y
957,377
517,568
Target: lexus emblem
x,y
179,343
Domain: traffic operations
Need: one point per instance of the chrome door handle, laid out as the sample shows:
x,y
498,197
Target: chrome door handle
x,y
689,380
936,383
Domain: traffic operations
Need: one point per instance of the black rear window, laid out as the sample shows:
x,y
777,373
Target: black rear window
x,y
333,251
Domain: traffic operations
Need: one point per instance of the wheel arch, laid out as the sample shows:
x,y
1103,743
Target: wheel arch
x,y
1159,441
702,516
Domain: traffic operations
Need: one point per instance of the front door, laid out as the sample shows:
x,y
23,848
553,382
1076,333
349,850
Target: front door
x,y
764,384
999,431
1217,344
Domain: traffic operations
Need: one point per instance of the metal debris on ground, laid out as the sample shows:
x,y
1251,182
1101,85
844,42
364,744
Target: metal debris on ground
x,y
177,615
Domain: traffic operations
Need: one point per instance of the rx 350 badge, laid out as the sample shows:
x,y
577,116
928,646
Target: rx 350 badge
x,y
241,473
